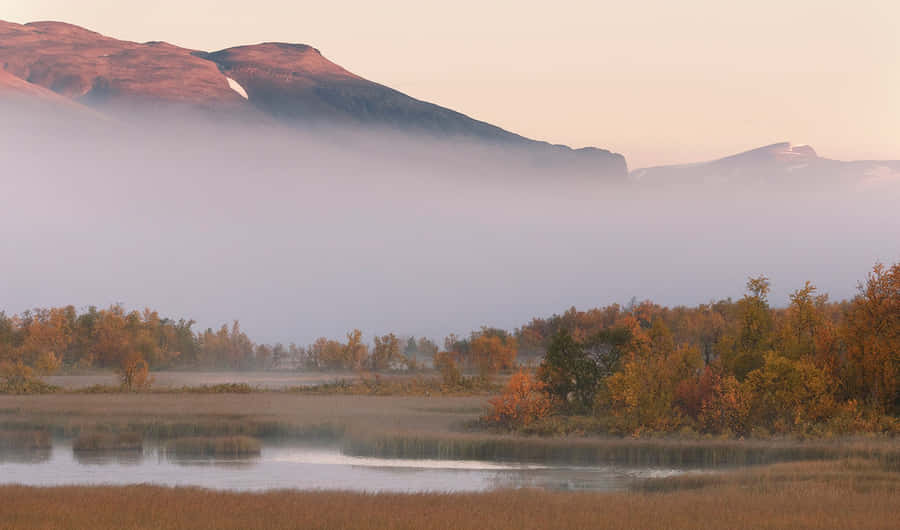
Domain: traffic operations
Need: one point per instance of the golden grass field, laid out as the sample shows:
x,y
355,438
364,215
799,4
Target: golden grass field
x,y
859,492
846,494
176,379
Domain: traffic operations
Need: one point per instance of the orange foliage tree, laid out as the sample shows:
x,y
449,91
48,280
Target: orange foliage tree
x,y
134,372
872,333
523,401
492,352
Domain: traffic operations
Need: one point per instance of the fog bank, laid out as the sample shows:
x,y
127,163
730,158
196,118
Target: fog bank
x,y
300,234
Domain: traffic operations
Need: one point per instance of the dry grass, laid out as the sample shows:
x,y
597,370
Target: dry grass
x,y
25,440
178,379
416,427
255,414
368,384
108,441
593,450
812,495
215,447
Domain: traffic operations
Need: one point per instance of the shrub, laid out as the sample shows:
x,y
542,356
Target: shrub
x,y
16,378
134,373
523,401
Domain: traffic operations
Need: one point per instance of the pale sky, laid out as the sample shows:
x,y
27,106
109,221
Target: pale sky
x,y
659,81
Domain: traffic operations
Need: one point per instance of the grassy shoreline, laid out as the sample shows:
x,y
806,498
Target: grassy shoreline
x,y
816,495
393,426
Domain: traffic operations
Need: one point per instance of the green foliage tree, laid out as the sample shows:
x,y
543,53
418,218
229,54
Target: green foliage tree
x,y
569,375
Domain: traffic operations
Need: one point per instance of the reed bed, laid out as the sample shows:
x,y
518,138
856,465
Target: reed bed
x,y
658,452
226,446
108,441
824,495
25,440
851,474
409,427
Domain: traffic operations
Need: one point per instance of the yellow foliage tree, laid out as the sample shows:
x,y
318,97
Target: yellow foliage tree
x,y
492,353
872,333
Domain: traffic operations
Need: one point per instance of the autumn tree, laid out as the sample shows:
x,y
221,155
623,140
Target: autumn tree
x,y
705,328
47,335
745,350
872,332
522,402
642,396
327,354
725,408
447,365
789,395
134,372
426,346
386,352
355,351
804,324
492,352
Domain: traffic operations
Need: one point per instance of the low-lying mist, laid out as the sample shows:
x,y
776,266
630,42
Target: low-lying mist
x,y
300,234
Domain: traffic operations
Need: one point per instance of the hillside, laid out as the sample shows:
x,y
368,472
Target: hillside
x,y
291,83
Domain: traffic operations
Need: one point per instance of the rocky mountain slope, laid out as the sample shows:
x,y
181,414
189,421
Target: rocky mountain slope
x,y
291,83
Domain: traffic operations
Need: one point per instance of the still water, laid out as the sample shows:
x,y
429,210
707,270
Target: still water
x,y
306,468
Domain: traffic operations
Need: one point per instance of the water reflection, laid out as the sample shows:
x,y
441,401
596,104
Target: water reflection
x,y
28,456
303,467
106,457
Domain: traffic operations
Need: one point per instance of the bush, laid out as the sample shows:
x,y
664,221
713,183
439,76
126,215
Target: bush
x,y
524,400
16,378
134,373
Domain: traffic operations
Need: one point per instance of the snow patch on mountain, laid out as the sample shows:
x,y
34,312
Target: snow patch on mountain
x,y
234,85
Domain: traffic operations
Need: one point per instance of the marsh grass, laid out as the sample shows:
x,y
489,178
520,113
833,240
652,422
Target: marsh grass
x,y
378,385
108,441
225,446
663,452
25,440
392,426
859,475
812,495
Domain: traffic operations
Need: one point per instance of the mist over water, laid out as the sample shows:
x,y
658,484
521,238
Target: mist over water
x,y
300,234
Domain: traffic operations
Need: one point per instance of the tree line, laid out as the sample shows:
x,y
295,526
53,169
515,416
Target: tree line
x,y
738,367
43,341
728,366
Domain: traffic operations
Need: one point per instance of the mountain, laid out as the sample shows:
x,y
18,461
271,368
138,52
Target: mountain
x,y
776,163
17,87
290,83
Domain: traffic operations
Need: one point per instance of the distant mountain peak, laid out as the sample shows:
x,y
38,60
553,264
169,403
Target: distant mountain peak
x,y
279,59
776,162
781,152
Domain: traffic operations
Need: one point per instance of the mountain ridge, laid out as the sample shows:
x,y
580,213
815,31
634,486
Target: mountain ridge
x,y
291,83
773,162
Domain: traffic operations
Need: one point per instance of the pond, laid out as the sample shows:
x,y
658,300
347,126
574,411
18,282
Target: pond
x,y
305,468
